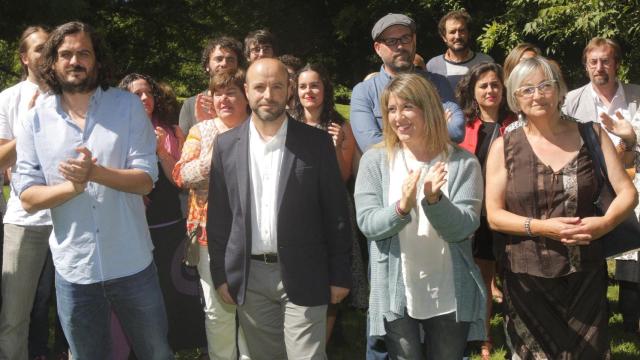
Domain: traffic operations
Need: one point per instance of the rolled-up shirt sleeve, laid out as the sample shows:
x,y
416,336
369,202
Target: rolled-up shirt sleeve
x,y
28,168
142,146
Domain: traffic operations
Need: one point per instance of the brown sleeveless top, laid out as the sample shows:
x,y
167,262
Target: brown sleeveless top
x,y
535,190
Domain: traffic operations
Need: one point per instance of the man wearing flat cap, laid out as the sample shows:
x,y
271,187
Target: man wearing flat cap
x,y
394,40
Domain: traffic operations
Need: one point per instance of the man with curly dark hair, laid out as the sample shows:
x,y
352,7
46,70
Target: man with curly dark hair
x,y
87,153
220,54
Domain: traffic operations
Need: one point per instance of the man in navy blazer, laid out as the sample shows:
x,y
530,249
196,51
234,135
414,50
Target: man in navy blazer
x,y
277,223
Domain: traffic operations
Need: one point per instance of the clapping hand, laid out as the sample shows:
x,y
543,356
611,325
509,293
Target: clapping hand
x,y
204,107
434,181
337,134
447,115
161,135
78,170
409,191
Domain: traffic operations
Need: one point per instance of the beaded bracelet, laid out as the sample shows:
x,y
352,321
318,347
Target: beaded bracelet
x,y
527,227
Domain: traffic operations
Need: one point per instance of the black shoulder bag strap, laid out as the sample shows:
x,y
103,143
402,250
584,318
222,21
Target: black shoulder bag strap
x,y
593,146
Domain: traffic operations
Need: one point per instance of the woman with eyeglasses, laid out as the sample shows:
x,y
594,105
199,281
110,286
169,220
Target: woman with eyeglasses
x,y
540,190
418,199
481,95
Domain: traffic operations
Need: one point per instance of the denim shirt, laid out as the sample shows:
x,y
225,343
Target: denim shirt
x,y
366,114
100,234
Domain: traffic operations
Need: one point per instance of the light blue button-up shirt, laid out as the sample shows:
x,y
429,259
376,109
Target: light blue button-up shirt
x,y
100,234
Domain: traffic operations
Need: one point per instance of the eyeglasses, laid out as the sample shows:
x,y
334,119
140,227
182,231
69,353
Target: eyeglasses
x,y
606,62
260,48
544,87
391,42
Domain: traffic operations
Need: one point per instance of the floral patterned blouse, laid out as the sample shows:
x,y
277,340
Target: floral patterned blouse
x,y
192,172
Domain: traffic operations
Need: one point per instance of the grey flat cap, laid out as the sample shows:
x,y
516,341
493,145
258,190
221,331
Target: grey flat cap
x,y
389,20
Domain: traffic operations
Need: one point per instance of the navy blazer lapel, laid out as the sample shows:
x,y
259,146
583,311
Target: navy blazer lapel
x,y
287,158
242,168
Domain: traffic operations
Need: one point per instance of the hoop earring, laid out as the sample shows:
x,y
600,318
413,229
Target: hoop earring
x,y
476,109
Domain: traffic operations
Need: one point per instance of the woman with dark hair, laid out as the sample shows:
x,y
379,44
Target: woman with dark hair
x,y
314,105
481,95
164,216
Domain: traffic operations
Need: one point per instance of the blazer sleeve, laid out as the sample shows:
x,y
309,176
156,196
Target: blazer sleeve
x,y
219,218
333,197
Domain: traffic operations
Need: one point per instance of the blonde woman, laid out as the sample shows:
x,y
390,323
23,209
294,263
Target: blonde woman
x,y
418,200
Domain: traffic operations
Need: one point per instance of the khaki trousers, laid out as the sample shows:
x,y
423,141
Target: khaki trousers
x,y
274,327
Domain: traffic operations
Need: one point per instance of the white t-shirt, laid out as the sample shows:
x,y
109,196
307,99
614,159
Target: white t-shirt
x,y
427,268
14,103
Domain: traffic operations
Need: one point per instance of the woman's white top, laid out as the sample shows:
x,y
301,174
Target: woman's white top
x,y
427,269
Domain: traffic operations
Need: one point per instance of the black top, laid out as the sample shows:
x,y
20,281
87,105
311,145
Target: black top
x,y
484,141
164,205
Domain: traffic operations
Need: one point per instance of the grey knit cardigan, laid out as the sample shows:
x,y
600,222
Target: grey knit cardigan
x,y
455,218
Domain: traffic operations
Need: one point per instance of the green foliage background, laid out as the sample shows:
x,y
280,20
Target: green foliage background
x,y
164,38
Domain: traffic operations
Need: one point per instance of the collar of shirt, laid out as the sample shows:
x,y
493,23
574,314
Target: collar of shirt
x,y
618,100
275,142
93,101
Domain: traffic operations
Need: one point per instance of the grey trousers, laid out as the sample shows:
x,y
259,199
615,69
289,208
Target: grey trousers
x,y
24,253
276,328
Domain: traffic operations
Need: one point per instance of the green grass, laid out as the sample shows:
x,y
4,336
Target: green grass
x,y
352,343
343,110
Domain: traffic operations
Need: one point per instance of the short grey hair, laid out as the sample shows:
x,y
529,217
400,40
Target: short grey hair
x,y
524,69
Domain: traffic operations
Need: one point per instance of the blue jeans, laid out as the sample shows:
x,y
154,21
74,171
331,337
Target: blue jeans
x,y
85,315
445,339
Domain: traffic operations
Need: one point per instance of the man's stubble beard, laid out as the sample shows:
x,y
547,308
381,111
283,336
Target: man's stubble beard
x,y
601,79
84,86
464,48
407,66
267,116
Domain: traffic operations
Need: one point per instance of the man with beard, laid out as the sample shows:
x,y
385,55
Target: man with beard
x,y
220,54
87,152
394,40
25,235
604,94
602,99
458,59
277,223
